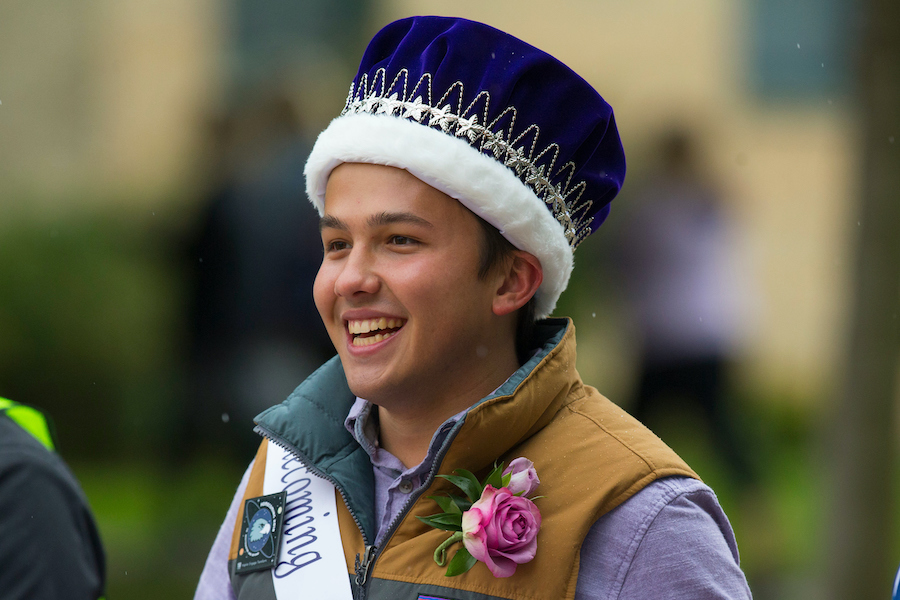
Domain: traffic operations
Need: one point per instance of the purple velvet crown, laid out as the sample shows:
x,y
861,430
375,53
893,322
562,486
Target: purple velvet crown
x,y
534,102
496,123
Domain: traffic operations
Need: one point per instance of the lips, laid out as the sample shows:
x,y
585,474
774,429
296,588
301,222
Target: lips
x,y
365,332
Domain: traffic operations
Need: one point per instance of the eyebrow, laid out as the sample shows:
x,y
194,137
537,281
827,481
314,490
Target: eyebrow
x,y
329,222
387,218
384,218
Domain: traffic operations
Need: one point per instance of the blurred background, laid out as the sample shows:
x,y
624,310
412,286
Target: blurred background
x,y
157,253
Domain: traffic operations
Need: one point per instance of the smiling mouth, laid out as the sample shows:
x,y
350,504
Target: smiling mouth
x,y
371,331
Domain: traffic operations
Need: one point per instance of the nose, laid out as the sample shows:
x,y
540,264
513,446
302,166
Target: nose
x,y
357,274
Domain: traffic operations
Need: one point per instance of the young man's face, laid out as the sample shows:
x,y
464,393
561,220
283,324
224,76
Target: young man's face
x,y
398,289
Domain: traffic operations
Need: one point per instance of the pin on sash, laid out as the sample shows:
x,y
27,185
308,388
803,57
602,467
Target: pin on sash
x,y
260,533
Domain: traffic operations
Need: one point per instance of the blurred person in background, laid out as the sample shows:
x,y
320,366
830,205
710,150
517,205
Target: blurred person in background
x,y
253,256
681,273
49,545
453,189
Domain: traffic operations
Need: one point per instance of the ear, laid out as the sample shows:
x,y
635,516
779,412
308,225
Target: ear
x,y
521,279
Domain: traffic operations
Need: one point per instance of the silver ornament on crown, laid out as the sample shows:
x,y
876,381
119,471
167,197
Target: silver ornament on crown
x,y
534,169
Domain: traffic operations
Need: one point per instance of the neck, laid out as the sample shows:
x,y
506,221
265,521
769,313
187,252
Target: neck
x,y
406,428
406,437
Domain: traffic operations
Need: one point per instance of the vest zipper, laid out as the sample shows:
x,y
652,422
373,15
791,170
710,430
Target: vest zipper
x,y
371,557
362,572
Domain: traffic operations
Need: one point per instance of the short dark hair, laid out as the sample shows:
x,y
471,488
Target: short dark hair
x,y
495,251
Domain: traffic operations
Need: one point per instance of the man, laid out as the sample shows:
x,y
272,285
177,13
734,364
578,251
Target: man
x,y
49,547
465,168
680,268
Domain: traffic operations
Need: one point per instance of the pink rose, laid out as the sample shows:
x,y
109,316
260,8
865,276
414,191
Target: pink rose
x,y
501,530
524,477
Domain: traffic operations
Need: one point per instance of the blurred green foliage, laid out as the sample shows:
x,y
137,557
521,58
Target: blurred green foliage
x,y
92,322
89,318
157,524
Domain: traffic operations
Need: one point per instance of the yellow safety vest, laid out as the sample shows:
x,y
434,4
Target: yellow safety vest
x,y
29,419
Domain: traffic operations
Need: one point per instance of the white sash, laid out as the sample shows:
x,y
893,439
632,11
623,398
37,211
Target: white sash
x,y
310,558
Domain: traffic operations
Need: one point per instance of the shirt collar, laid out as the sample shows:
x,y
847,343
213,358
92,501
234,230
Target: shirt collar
x,y
362,425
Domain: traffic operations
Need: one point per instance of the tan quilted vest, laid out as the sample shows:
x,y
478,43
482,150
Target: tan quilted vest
x,y
589,454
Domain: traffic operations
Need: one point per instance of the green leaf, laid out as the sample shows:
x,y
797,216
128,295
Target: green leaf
x,y
449,518
506,479
463,504
461,562
447,504
496,477
445,521
467,482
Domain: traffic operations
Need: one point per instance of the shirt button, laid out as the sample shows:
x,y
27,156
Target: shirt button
x,y
406,486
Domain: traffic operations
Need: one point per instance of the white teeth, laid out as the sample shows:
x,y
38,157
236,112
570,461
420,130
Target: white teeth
x,y
382,325
367,325
373,339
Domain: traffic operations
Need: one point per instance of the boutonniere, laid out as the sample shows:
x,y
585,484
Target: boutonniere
x,y
496,522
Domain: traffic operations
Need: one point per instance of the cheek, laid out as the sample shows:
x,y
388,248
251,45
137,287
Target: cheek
x,y
323,293
430,292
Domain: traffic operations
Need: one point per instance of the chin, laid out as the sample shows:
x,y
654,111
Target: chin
x,y
380,393
363,386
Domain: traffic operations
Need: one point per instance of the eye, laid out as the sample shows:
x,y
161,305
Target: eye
x,y
402,240
335,246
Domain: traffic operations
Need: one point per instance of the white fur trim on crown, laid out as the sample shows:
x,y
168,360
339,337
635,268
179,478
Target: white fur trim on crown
x,y
482,184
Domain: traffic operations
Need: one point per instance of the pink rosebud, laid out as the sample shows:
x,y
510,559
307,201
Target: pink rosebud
x,y
524,477
501,530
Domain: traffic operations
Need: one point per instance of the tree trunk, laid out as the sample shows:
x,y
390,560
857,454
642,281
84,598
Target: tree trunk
x,y
861,527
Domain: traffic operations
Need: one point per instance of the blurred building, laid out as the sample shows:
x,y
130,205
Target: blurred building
x,y
103,102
